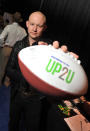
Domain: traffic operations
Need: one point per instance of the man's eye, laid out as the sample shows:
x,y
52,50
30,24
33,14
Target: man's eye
x,y
40,26
31,24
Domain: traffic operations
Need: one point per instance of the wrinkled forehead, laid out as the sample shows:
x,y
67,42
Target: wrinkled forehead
x,y
37,17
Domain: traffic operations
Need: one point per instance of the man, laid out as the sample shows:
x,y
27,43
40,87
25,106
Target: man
x,y
11,33
24,98
1,24
8,18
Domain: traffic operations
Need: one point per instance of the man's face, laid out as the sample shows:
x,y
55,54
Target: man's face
x,y
36,25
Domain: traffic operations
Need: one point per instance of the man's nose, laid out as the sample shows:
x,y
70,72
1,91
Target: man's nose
x,y
35,28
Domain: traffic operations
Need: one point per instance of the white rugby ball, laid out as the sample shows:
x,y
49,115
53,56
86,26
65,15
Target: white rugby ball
x,y
52,71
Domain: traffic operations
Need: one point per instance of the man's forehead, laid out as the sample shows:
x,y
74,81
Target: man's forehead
x,y
38,16
37,13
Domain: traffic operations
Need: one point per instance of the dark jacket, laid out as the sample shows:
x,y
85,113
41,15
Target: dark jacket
x,y
18,82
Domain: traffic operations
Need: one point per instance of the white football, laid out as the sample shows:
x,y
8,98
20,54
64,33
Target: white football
x,y
52,71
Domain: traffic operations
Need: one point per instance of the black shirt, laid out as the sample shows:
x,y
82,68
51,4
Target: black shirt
x,y
13,70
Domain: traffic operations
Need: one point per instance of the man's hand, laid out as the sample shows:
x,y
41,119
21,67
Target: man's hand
x,y
42,43
63,47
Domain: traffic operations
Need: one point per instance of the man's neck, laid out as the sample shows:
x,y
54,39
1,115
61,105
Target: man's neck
x,y
31,41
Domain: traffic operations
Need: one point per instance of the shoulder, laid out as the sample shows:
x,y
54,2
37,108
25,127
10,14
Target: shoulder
x,y
8,27
23,30
21,43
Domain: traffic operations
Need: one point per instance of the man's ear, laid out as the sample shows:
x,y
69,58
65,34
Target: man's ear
x,y
45,27
27,23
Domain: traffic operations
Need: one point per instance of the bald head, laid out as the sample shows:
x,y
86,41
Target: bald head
x,y
38,15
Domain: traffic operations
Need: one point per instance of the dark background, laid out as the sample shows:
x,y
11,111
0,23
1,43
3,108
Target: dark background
x,y
68,22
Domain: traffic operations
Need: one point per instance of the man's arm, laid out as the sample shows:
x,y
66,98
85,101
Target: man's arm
x,y
12,69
